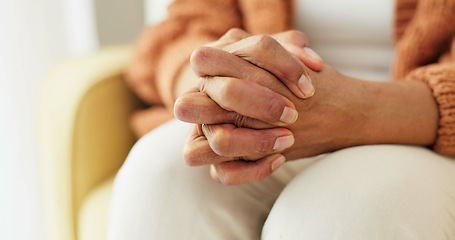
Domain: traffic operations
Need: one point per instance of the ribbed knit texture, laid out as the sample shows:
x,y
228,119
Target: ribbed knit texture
x,y
424,34
163,49
441,79
404,12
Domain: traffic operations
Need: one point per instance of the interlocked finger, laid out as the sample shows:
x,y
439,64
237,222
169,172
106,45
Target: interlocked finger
x,y
230,141
197,107
265,52
240,172
231,36
216,144
197,151
297,44
244,88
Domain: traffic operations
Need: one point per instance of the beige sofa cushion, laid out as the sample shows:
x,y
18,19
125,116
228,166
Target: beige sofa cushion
x,y
94,210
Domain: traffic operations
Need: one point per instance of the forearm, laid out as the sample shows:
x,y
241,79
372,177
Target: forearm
x,y
399,113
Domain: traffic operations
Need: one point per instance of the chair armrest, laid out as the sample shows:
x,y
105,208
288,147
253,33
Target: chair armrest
x,y
83,132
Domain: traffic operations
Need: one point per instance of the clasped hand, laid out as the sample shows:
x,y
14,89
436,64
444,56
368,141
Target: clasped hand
x,y
262,100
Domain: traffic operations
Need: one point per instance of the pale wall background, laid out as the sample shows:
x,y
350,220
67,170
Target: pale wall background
x,y
35,35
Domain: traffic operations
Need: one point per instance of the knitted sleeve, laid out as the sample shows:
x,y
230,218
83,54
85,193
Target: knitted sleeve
x,y
424,53
427,33
441,79
164,49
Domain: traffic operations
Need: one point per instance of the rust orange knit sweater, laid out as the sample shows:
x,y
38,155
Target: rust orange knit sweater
x,y
424,42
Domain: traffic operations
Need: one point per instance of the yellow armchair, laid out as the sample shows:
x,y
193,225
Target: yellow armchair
x,y
83,139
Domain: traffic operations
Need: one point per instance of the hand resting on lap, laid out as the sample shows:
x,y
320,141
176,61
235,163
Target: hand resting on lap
x,y
238,78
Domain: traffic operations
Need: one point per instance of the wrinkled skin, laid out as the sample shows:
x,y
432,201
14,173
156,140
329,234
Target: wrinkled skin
x,y
256,113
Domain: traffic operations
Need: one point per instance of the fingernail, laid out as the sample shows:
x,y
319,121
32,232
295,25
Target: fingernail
x,y
278,162
306,86
312,54
289,115
283,143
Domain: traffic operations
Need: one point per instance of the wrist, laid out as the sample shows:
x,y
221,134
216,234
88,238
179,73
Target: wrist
x,y
398,113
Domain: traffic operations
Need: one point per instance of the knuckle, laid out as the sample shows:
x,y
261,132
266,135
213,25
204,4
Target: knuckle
x,y
273,109
190,156
266,42
200,56
242,121
181,109
234,34
228,93
200,156
220,143
264,144
296,37
291,72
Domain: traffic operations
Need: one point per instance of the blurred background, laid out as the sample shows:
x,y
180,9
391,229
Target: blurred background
x,y
36,35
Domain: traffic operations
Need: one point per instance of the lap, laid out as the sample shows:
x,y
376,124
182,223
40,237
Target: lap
x,y
369,192
157,196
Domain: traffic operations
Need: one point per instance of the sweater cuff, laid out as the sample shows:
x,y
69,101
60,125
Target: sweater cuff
x,y
441,80
173,60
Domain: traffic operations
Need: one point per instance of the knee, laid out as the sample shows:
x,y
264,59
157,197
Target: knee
x,y
376,192
156,154
147,160
153,165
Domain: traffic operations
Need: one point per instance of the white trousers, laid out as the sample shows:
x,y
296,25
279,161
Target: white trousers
x,y
362,193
